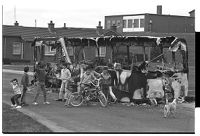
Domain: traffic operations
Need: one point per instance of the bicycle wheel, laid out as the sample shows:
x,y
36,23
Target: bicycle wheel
x,y
76,99
102,99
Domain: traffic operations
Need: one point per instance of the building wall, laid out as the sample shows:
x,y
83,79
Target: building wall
x,y
169,24
117,20
8,47
28,51
160,23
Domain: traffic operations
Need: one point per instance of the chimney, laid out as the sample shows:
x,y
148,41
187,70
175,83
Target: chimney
x,y
16,24
114,28
159,9
64,25
192,13
99,28
51,26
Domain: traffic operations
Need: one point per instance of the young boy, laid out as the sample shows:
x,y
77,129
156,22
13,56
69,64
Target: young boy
x,y
24,83
65,77
107,84
88,77
17,93
40,75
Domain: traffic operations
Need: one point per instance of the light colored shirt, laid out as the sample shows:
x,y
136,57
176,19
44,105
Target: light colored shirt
x,y
65,74
16,89
87,78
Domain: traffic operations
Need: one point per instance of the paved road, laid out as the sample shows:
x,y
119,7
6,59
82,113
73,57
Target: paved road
x,y
94,118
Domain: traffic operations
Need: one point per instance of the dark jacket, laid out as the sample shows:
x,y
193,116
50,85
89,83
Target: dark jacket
x,y
113,77
40,75
25,80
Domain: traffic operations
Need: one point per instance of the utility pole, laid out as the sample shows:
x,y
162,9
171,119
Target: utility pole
x,y
15,14
2,14
35,23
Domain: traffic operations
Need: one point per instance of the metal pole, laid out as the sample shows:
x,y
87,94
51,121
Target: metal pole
x,y
128,54
2,14
173,59
144,54
112,55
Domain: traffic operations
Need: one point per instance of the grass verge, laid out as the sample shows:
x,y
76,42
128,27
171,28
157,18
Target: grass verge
x,y
14,121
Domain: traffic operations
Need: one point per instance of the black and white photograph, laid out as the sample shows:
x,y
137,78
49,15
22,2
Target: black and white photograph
x,y
99,66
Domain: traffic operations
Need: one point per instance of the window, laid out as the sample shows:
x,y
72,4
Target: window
x,y
133,23
108,24
141,23
49,50
70,51
102,51
118,22
17,48
136,23
124,23
113,22
130,23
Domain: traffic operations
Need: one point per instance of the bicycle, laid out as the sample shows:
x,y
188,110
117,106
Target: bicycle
x,y
89,93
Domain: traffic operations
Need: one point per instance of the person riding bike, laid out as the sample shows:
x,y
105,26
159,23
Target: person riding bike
x,y
88,77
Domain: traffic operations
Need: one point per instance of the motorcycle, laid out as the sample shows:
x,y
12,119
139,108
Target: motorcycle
x,y
92,92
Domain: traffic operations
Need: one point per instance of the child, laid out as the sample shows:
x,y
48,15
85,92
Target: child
x,y
107,83
88,77
24,83
40,76
65,77
17,93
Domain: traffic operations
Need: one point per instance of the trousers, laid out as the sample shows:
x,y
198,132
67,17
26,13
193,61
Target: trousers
x,y
14,99
40,88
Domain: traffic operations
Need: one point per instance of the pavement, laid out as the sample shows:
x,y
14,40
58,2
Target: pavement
x,y
94,118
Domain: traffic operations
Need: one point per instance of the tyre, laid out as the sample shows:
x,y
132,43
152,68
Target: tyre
x,y
102,99
76,99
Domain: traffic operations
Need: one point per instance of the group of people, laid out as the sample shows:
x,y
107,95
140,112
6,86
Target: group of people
x,y
86,77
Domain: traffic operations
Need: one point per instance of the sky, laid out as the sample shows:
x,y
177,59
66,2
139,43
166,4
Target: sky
x,y
86,13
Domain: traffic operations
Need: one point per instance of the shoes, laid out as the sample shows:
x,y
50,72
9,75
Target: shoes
x,y
46,102
13,105
115,101
18,107
35,103
130,104
58,99
24,104
67,105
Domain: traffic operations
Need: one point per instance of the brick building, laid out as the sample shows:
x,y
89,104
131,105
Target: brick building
x,y
147,22
17,40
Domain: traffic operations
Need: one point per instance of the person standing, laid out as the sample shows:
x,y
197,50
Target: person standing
x,y
24,84
65,77
40,75
108,83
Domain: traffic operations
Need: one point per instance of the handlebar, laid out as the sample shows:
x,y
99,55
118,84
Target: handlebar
x,y
92,82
